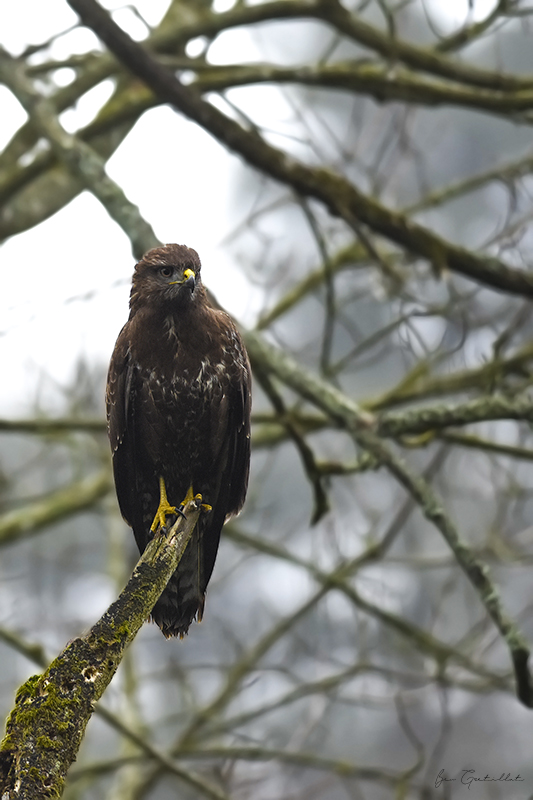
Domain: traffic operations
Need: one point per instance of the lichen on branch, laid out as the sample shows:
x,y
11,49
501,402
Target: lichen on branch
x,y
47,724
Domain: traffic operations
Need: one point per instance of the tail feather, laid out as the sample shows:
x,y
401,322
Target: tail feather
x,y
183,598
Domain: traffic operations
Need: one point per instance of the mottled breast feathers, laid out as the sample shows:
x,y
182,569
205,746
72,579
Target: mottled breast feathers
x,y
178,408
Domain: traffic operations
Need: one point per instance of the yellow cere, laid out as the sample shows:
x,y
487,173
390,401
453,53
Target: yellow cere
x,y
188,274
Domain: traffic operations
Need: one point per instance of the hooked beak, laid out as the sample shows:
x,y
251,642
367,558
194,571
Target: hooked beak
x,y
189,279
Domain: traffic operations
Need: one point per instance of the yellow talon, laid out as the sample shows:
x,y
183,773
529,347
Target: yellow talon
x,y
190,496
197,499
164,508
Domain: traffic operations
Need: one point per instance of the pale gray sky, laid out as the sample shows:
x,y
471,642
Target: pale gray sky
x,y
45,322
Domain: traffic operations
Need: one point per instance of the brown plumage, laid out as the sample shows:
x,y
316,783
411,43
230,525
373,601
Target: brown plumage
x,y
178,408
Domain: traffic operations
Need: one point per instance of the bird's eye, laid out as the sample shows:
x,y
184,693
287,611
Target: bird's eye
x,y
166,272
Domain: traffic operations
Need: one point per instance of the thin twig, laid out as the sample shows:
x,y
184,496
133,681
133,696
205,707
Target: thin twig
x,y
360,425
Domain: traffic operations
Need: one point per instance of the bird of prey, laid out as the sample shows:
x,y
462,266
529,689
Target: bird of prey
x,y
178,411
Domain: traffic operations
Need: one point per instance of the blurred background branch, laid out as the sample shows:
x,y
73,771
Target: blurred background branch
x,y
373,239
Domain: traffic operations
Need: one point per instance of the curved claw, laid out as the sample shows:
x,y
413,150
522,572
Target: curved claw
x,y
160,519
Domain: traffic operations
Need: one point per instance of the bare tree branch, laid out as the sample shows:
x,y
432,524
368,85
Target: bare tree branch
x,y
340,197
79,496
82,160
360,425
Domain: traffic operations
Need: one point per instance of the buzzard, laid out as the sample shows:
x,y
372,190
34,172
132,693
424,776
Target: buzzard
x,y
178,411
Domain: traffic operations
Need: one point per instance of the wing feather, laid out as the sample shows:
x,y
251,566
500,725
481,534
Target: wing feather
x,y
120,405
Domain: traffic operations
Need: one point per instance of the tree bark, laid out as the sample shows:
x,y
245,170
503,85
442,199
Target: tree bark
x,y
45,728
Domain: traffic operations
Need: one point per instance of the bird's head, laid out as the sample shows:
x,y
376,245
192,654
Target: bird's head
x,y
166,276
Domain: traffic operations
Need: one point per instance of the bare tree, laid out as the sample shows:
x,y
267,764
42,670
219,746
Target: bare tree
x,y
368,624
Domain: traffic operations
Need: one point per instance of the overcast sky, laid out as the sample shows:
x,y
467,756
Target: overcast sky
x,y
65,283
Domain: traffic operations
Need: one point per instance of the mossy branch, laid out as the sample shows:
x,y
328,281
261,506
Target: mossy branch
x,y
47,724
270,429
481,409
36,653
370,79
